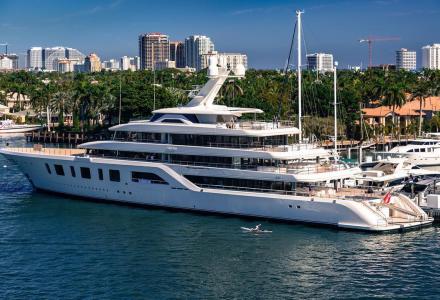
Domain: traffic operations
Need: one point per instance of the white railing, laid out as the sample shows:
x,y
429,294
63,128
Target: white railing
x,y
48,151
314,192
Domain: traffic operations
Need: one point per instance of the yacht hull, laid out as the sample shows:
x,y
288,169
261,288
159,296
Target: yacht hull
x,y
19,129
180,193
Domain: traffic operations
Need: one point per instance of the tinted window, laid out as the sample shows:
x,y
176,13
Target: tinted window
x,y
48,169
100,175
72,171
147,177
114,175
171,121
59,170
85,173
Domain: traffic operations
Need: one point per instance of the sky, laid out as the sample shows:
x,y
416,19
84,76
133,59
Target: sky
x,y
260,28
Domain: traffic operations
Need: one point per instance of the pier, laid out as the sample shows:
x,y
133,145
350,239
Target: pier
x,y
71,138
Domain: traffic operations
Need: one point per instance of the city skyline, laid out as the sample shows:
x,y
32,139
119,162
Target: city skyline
x,y
257,28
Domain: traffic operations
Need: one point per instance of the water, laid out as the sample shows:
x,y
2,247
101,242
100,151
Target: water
x,y
56,247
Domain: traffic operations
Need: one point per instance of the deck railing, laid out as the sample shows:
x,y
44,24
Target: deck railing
x,y
314,192
48,151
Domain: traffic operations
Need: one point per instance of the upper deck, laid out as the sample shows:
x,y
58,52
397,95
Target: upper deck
x,y
179,125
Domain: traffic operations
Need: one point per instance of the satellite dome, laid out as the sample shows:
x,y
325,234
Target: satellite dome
x,y
240,70
212,69
213,60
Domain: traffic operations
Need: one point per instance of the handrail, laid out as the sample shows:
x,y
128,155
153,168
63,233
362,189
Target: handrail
x,y
293,168
313,193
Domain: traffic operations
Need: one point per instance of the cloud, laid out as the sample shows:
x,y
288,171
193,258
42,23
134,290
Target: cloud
x,y
416,12
90,11
255,10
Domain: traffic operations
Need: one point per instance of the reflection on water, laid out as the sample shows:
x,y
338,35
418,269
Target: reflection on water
x,y
58,247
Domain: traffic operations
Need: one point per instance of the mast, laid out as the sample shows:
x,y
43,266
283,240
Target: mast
x,y
120,97
298,15
335,103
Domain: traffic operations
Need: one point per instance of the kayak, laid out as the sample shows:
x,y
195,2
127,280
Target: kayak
x,y
254,230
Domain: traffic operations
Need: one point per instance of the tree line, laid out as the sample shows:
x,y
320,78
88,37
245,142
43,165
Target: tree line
x,y
91,97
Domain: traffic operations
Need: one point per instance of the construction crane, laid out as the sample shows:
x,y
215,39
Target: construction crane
x,y
6,47
370,40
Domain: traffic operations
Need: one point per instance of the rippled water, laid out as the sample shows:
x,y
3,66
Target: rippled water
x,y
55,247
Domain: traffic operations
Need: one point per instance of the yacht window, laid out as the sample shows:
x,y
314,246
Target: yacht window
x,y
100,174
411,150
147,177
59,170
85,173
396,182
422,150
171,121
72,171
114,175
48,169
155,117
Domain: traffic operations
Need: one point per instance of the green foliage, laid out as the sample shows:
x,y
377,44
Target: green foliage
x,y
90,98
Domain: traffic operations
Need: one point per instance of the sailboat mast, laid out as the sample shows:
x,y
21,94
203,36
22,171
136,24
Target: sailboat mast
x,y
335,98
298,15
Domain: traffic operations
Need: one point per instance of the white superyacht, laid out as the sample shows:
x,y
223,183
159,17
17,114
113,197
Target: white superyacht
x,y
201,157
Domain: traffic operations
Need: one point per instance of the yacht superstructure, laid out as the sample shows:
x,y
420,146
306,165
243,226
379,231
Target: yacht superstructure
x,y
9,126
424,153
392,173
203,157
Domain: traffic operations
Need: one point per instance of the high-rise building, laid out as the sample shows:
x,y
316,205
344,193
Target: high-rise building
x,y
35,58
64,65
5,63
431,56
321,62
180,56
406,60
92,63
137,62
8,61
226,60
39,58
74,54
128,63
50,55
166,64
153,48
173,50
177,53
111,65
125,63
195,46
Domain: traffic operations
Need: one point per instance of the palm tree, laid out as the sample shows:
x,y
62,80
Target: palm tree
x,y
230,90
427,85
394,96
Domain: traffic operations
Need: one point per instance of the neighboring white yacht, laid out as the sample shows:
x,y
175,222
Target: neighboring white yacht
x,y
202,157
424,153
391,173
9,126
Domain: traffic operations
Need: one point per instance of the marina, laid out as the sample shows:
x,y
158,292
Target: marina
x,y
267,178
162,165
196,254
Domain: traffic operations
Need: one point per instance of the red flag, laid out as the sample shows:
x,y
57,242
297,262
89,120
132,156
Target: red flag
x,y
387,198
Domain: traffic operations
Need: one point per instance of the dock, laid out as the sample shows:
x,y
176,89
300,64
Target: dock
x,y
70,138
433,212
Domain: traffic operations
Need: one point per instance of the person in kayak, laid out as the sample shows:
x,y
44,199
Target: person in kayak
x,y
257,228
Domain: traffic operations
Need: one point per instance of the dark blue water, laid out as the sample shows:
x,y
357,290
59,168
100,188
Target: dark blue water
x,y
56,247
